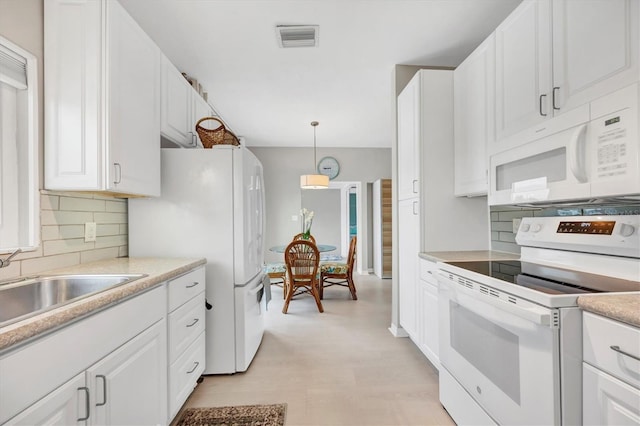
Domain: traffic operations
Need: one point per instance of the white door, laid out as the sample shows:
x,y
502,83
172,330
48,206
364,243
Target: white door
x,y
408,248
408,139
249,216
523,68
67,405
129,385
595,49
133,106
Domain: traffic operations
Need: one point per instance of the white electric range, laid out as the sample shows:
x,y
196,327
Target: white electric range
x,y
510,331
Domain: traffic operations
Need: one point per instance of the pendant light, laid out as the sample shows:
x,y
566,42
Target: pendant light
x,y
314,181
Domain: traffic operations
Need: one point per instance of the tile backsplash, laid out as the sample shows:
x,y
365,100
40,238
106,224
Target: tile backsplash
x,y
502,217
62,219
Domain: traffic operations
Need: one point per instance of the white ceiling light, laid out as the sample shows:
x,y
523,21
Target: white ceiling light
x,y
297,35
314,181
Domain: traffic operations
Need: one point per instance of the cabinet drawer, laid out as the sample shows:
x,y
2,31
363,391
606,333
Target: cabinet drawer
x,y
186,287
427,269
600,335
184,373
185,324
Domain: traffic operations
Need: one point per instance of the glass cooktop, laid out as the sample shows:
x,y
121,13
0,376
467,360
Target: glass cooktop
x,y
548,279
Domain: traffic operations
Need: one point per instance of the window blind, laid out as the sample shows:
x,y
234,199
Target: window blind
x,y
13,68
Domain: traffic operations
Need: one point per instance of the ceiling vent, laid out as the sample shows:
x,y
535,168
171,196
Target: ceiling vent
x,y
297,35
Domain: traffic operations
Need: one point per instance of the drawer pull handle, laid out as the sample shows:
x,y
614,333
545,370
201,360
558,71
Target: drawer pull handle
x,y
87,406
617,349
195,283
196,364
195,321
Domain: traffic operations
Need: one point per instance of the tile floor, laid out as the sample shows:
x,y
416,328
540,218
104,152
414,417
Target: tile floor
x,y
341,367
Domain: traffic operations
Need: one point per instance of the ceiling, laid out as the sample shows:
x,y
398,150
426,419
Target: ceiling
x,y
270,95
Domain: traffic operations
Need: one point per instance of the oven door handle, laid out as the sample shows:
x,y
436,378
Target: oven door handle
x,y
537,315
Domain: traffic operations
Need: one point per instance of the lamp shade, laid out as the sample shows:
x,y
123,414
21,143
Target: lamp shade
x,y
314,181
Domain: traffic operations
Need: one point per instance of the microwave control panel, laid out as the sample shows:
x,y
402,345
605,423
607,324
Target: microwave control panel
x,y
612,139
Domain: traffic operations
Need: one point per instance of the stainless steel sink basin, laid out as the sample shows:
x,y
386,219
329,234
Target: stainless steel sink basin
x,y
32,296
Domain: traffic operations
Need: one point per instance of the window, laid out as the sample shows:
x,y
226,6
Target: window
x,y
19,206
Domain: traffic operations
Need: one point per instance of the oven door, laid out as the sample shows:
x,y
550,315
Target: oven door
x,y
502,350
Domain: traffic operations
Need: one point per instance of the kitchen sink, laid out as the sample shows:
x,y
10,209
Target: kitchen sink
x,y
32,296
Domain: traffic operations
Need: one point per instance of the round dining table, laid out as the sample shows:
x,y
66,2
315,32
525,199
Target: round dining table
x,y
321,248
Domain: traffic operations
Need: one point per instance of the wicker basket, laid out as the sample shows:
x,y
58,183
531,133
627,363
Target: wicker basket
x,y
218,136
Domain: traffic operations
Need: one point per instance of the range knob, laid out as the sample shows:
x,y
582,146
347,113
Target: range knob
x,y
525,227
627,230
536,227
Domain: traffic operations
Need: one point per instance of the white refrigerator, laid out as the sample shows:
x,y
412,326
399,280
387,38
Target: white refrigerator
x,y
212,205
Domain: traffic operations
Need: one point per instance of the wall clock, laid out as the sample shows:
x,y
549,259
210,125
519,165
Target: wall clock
x,y
329,166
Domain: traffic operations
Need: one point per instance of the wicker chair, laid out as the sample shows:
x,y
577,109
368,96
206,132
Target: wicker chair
x,y
334,273
302,259
276,272
299,237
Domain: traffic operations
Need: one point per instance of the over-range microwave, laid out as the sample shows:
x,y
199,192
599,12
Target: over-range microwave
x,y
593,158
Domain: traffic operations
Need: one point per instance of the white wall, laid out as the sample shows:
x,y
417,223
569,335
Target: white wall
x,y
282,170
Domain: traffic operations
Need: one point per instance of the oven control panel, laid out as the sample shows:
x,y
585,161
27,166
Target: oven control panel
x,y
615,235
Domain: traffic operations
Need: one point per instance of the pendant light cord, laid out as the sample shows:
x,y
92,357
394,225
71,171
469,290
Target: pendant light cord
x,y
314,124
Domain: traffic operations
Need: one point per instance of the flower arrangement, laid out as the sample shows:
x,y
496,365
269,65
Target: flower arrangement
x,y
307,220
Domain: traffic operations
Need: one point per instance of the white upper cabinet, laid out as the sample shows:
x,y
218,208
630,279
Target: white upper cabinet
x,y
409,123
176,105
182,107
523,68
554,56
474,109
102,100
595,49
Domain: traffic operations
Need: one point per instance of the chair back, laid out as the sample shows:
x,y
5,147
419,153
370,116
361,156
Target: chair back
x,y
299,237
351,259
302,259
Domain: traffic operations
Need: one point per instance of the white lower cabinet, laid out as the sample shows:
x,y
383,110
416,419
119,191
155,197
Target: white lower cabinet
x,y
427,312
610,380
109,368
127,387
61,407
409,246
186,336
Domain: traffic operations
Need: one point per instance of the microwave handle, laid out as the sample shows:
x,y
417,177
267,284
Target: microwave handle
x,y
577,153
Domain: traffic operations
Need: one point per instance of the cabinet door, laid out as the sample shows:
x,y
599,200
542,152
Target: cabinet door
x,y
523,68
133,99
408,139
473,104
129,386
595,49
607,400
408,248
176,105
67,405
72,90
428,321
